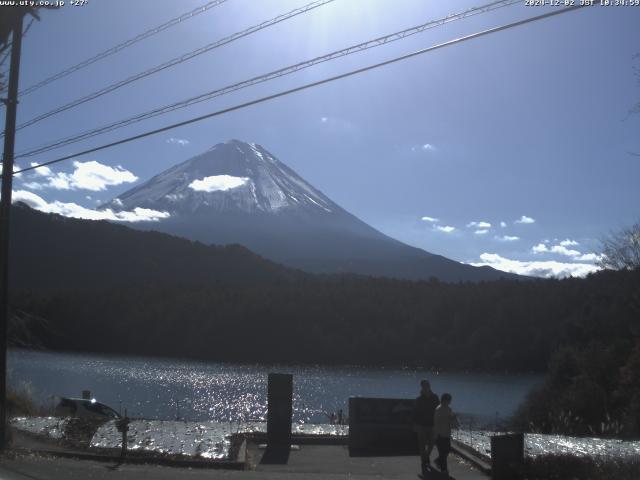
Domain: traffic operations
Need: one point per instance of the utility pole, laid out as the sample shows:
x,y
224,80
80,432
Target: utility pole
x,y
5,210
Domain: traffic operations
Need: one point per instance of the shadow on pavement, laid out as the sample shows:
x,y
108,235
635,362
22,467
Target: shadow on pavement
x,y
275,456
433,474
21,473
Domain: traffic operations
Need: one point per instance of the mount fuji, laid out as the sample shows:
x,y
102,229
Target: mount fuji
x,y
238,192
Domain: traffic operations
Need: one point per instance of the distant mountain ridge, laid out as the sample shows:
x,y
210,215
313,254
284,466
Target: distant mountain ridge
x,y
52,252
238,192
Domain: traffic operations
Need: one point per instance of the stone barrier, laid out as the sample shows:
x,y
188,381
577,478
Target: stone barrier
x,y
381,426
507,456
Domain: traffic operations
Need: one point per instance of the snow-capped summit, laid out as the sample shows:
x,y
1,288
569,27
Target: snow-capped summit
x,y
231,176
238,192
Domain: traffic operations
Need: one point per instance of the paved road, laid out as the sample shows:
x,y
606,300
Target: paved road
x,y
310,462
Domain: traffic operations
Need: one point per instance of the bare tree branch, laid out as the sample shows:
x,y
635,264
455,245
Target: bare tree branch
x,y
621,250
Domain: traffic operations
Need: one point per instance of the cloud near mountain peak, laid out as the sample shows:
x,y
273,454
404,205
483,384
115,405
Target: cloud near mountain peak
x,y
217,183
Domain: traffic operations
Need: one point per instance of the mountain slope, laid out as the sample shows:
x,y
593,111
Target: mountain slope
x,y
49,251
239,193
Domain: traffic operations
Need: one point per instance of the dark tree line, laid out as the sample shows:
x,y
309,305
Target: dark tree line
x,y
593,383
503,326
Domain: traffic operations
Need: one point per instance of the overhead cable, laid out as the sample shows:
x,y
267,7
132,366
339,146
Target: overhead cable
x,y
174,61
267,76
307,86
121,46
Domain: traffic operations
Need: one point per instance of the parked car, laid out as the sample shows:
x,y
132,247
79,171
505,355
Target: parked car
x,y
83,408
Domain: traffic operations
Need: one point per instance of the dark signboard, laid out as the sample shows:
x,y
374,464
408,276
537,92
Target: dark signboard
x,y
279,409
381,426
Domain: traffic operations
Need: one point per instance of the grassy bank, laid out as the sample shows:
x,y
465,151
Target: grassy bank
x,y
569,467
20,403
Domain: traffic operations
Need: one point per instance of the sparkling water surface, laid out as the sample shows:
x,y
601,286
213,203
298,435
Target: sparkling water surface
x,y
536,444
209,440
214,400
170,389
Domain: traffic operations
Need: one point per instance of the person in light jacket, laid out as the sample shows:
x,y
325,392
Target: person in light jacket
x,y
444,421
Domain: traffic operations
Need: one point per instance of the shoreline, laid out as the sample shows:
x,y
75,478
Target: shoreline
x,y
433,371
217,440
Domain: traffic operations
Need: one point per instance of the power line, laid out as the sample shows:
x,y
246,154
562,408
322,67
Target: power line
x,y
266,77
121,46
176,61
7,47
4,58
26,30
307,86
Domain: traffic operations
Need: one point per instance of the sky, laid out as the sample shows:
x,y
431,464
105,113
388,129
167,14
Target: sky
x,y
517,150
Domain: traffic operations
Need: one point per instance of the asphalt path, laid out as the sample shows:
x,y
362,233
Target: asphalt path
x,y
309,462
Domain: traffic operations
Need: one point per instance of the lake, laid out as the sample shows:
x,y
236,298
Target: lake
x,y
167,389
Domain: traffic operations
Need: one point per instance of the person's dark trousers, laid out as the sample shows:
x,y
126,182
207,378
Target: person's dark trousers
x,y
443,444
425,444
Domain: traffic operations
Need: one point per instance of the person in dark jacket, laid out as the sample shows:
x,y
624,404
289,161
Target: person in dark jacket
x,y
423,413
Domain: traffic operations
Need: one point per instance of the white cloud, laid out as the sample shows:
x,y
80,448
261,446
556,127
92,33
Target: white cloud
x,y
218,183
569,243
482,225
524,219
564,251
30,199
559,249
59,181
589,257
137,215
507,238
444,229
96,176
540,248
481,232
41,171
324,119
424,147
430,219
503,224
78,211
545,269
91,175
183,142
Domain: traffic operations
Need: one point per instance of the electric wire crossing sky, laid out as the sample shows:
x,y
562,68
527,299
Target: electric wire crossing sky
x,y
303,87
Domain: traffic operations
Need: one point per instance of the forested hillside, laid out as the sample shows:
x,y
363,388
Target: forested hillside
x,y
54,252
503,325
